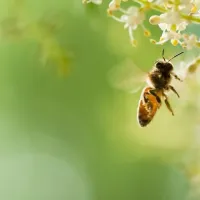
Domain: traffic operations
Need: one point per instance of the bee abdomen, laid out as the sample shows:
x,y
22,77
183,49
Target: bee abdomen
x,y
143,121
147,108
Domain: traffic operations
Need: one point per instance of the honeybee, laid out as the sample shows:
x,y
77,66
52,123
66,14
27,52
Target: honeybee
x,y
158,83
158,79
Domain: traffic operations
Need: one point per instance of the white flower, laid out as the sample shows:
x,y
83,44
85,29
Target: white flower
x,y
172,20
189,7
171,23
170,17
131,19
186,6
175,37
190,41
113,6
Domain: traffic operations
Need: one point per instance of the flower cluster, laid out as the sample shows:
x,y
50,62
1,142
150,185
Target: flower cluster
x,y
174,18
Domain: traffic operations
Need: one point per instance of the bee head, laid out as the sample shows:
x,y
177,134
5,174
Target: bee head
x,y
164,66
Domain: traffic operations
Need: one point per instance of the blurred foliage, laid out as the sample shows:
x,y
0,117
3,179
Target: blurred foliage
x,y
76,137
18,26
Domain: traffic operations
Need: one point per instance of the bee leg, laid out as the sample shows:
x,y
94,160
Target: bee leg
x,y
176,77
154,94
168,104
172,88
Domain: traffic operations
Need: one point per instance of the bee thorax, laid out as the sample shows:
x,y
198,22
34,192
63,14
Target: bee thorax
x,y
158,79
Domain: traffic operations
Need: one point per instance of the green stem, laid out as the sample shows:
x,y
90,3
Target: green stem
x,y
191,18
151,5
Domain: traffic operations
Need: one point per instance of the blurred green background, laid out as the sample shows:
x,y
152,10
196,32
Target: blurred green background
x,y
75,137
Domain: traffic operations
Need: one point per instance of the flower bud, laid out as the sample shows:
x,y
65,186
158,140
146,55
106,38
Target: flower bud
x,y
154,20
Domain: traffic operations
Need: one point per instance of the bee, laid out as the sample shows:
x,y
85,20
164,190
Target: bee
x,y
158,80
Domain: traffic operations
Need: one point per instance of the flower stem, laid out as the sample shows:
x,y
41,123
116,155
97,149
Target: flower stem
x,y
191,18
151,5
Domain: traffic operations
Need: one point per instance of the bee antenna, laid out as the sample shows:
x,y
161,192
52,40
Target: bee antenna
x,y
163,52
175,56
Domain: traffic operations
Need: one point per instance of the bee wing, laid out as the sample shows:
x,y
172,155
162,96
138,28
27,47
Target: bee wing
x,y
182,70
147,108
127,77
